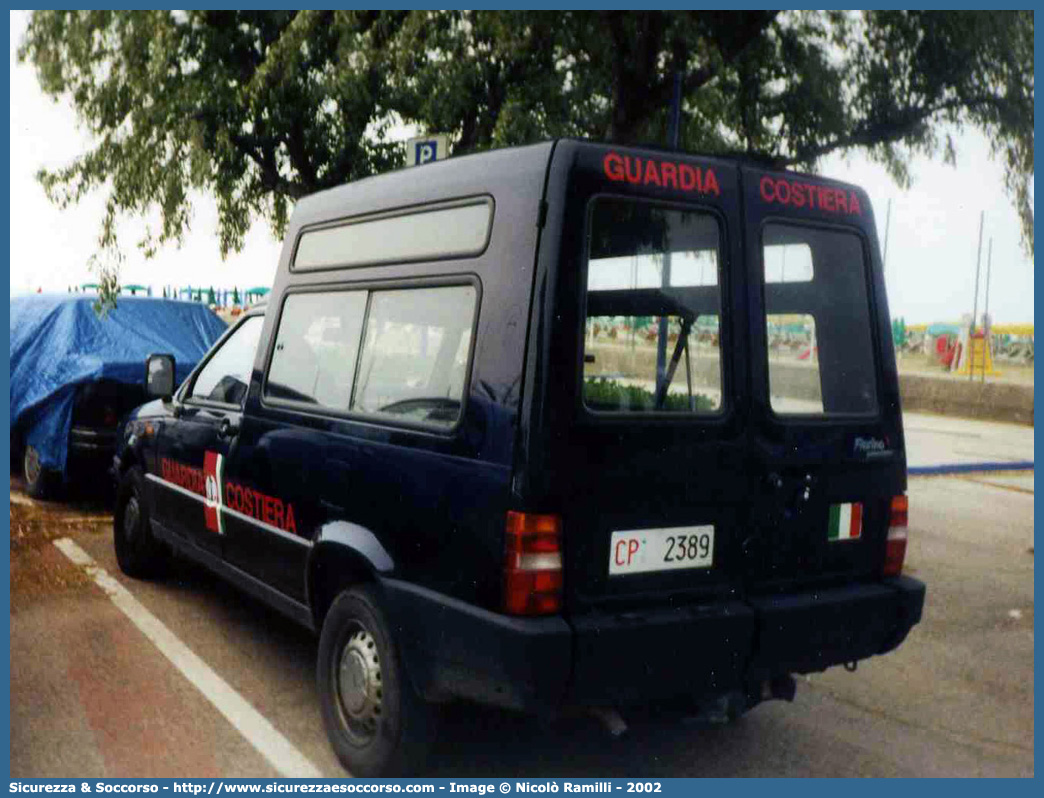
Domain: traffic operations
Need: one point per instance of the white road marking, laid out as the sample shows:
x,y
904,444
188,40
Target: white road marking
x,y
280,753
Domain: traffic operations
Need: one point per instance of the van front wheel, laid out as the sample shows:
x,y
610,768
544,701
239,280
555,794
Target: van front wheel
x,y
377,724
138,552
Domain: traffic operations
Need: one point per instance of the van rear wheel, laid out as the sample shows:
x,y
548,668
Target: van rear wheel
x,y
377,724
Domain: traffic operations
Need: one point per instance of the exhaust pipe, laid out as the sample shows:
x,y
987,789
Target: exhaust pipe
x,y
720,711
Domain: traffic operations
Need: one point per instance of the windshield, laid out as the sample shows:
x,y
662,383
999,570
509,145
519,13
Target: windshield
x,y
651,336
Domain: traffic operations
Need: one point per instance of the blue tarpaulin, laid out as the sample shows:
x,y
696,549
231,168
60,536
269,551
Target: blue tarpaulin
x,y
59,343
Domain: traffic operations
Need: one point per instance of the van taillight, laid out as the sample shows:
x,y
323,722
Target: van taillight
x,y
532,564
895,544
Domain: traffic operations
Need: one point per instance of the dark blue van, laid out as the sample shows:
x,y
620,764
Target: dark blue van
x,y
569,425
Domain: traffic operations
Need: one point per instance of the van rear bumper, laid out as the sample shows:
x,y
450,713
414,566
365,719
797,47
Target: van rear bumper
x,y
454,649
812,631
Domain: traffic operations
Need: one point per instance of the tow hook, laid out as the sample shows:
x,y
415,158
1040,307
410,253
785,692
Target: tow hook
x,y
851,666
611,719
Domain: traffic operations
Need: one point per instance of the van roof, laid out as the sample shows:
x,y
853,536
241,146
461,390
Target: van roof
x,y
466,175
478,173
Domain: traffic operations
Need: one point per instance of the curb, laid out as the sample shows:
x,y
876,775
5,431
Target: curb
x,y
965,468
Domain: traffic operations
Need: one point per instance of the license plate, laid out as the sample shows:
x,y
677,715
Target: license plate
x,y
639,551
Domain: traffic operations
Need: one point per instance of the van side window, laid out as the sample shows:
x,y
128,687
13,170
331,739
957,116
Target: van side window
x,y
316,347
652,332
456,231
817,312
415,354
226,376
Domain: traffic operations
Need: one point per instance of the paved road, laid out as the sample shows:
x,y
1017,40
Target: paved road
x,y
92,696
944,440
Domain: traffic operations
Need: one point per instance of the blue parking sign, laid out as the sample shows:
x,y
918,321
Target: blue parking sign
x,y
426,149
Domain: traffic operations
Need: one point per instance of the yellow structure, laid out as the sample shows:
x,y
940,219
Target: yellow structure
x,y
995,329
1012,329
975,357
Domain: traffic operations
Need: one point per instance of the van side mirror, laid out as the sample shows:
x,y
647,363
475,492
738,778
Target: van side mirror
x,y
159,376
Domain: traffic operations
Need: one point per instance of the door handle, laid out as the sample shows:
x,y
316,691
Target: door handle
x,y
226,429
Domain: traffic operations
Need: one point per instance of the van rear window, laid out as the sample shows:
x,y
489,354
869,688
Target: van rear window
x,y
651,334
817,313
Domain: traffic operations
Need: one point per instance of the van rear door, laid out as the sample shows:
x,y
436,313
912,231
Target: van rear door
x,y
714,427
640,435
826,436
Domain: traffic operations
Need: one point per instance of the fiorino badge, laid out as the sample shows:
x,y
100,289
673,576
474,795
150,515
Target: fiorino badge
x,y
846,522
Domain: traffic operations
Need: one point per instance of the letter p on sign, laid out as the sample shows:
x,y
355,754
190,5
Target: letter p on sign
x,y
425,152
426,149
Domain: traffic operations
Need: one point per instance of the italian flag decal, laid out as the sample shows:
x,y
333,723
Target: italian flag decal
x,y
845,522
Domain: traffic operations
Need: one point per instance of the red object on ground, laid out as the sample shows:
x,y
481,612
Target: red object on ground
x,y
945,350
807,353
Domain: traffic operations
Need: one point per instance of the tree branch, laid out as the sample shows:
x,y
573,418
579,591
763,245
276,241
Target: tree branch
x,y
732,47
295,145
887,130
269,171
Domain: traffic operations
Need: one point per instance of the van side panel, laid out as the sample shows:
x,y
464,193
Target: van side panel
x,y
434,499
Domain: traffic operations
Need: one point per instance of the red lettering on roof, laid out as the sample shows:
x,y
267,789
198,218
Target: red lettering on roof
x,y
651,174
781,191
800,195
710,184
636,176
688,177
668,172
768,189
613,166
841,200
826,199
660,173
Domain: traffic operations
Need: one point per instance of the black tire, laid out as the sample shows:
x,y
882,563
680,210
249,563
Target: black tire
x,y
40,482
377,724
138,552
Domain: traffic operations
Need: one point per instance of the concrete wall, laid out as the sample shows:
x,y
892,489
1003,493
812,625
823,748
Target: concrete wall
x,y
921,393
927,393
959,396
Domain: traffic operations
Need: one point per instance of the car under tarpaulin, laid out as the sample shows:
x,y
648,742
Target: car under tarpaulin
x,y
58,343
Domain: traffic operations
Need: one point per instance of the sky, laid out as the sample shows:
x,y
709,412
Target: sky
x,y
931,253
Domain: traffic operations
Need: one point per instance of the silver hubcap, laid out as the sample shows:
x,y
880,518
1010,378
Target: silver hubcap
x,y
32,464
359,688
